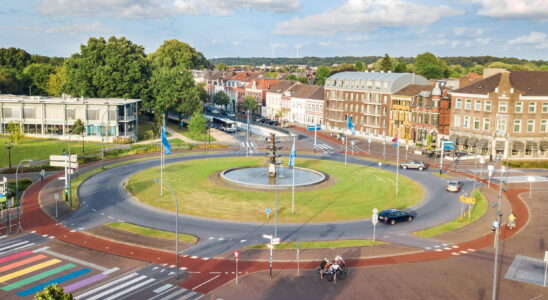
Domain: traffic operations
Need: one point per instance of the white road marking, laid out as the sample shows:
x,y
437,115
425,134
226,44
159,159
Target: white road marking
x,y
205,258
110,217
40,249
463,252
111,271
115,296
72,259
455,247
206,282
108,285
172,266
439,250
162,288
242,241
44,235
455,253
471,250
194,257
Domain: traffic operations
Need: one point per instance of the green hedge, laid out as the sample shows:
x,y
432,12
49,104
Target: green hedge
x,y
531,164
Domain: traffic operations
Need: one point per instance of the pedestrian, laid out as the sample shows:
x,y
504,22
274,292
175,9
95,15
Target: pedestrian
x,y
491,157
42,175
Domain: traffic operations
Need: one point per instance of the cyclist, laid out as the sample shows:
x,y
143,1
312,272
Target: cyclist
x,y
335,268
324,265
340,261
511,221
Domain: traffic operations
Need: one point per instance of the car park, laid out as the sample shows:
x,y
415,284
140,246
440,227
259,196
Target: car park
x,y
453,186
392,216
419,165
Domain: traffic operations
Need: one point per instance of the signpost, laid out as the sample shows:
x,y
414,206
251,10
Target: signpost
x,y
374,220
445,145
298,259
273,241
545,266
314,128
70,163
531,179
369,141
482,161
490,169
236,254
56,197
267,211
353,143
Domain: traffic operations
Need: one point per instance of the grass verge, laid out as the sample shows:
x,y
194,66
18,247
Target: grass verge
x,y
195,137
149,232
320,244
477,212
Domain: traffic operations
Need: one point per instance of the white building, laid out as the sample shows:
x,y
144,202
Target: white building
x,y
274,98
307,105
55,117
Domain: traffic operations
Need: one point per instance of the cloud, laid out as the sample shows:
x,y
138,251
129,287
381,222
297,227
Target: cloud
x,y
470,43
366,16
468,31
226,7
536,10
129,9
539,39
325,44
74,29
237,44
358,38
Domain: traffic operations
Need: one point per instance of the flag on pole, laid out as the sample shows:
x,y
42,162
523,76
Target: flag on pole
x,y
395,141
292,156
350,125
165,142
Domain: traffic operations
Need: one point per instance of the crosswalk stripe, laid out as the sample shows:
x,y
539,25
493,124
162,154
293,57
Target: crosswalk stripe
x,y
18,248
29,269
57,280
37,277
118,287
115,296
14,245
175,295
22,262
85,282
14,256
107,285
162,288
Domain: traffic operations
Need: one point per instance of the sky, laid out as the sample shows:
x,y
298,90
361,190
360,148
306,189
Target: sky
x,y
285,28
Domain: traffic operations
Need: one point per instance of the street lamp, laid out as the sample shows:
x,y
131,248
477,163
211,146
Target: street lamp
x,y
69,164
17,191
497,233
105,129
9,146
176,226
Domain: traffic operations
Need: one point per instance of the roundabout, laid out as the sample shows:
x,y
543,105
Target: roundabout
x,y
103,199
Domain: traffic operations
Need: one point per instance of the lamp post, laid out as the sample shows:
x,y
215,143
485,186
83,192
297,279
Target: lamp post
x,y
69,164
176,226
105,129
8,147
17,192
497,234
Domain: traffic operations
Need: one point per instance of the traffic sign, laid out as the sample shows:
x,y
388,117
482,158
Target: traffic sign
x,y
448,145
482,160
73,165
375,219
375,210
267,236
73,158
369,140
313,127
275,241
546,256
468,200
490,167
236,254
531,178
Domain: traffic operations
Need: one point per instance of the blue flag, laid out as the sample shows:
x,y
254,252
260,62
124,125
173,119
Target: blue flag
x,y
350,125
167,146
292,156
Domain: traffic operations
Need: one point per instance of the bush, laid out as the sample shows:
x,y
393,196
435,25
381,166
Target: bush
x,y
531,164
122,140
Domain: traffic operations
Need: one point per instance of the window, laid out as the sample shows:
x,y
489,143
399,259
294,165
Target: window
x,y
28,112
456,120
434,119
458,104
501,125
488,105
466,122
6,112
545,107
517,125
468,104
530,125
544,126
477,105
486,123
503,106
71,113
519,107
93,114
476,123
532,107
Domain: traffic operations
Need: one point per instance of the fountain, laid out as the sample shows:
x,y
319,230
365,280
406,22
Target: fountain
x,y
272,176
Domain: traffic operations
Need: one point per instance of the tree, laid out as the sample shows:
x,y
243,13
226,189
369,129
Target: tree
x,y
9,83
221,98
53,292
38,76
197,124
385,63
401,67
360,66
56,81
250,104
114,68
322,74
456,71
16,134
14,58
78,127
174,53
221,67
428,65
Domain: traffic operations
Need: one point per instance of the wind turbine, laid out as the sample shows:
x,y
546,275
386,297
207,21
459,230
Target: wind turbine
x,y
298,46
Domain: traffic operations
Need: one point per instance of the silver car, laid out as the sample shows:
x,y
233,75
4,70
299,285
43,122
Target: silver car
x,y
413,165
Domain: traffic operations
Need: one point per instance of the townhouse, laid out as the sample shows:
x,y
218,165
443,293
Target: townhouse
x,y
307,105
504,115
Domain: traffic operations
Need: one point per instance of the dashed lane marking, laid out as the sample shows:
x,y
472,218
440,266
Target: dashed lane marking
x,y
194,257
243,241
205,258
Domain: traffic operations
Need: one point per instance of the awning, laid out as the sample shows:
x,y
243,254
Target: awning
x,y
544,145
517,145
531,145
461,140
499,145
482,143
471,141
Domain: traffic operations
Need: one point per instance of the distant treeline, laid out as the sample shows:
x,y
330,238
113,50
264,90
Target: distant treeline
x,y
464,61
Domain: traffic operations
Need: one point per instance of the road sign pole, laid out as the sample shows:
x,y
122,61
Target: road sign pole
x,y
270,263
56,197
236,254
374,220
545,266
315,134
441,157
298,259
369,150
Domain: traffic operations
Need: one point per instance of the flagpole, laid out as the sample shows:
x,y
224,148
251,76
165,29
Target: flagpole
x,y
293,192
345,146
315,133
397,161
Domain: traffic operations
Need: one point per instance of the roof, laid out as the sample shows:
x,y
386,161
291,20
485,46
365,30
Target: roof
x,y
281,86
414,90
308,91
245,76
262,84
373,81
527,83
67,100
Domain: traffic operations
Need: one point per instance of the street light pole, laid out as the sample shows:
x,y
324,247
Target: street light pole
x,y
17,192
8,147
497,234
176,226
105,128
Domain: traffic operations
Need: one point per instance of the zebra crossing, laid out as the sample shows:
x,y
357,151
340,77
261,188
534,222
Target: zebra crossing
x,y
326,148
250,146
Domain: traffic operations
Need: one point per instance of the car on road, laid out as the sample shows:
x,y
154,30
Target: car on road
x,y
392,216
262,120
230,114
453,186
419,165
215,111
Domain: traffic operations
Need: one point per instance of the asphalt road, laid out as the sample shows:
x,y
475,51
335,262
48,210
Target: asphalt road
x,y
104,200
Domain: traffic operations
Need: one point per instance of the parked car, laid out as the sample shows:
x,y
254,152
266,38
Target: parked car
x,y
215,111
272,123
230,114
392,216
413,165
262,120
454,186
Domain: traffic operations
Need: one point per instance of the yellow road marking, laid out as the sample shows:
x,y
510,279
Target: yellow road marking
x,y
29,269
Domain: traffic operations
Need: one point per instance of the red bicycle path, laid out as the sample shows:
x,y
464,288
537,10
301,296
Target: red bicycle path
x,y
206,275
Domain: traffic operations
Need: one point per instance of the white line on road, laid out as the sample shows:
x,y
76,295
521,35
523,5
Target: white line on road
x,y
40,249
162,288
205,282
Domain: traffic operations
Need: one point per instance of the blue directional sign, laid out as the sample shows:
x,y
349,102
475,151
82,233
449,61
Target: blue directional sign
x,y
313,127
448,145
267,210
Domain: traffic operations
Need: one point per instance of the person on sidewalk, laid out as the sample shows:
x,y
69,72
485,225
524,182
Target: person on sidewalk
x,y
42,175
